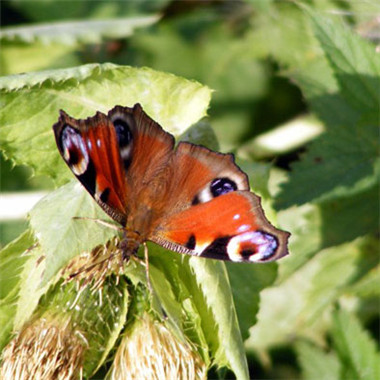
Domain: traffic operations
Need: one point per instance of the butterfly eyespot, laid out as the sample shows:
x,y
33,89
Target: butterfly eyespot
x,y
218,186
123,132
253,246
124,138
221,186
74,150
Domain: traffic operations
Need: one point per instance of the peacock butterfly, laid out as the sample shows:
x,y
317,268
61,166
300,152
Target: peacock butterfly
x,y
186,198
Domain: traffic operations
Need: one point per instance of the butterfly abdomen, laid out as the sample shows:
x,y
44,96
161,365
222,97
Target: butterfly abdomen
x,y
130,243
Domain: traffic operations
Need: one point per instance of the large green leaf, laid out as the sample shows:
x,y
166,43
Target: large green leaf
x,y
30,105
340,171
344,161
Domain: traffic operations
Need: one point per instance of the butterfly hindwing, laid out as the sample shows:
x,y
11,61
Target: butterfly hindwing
x,y
211,212
231,227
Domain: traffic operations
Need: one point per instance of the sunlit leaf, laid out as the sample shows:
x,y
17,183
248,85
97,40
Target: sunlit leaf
x,y
30,105
62,237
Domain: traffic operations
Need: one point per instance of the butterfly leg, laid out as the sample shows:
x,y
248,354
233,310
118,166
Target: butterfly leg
x,y
146,258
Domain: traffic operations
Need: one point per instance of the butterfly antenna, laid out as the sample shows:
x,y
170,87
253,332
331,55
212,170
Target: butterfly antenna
x,y
101,222
92,266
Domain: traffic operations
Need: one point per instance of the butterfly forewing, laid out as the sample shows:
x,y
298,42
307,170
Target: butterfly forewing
x,y
90,149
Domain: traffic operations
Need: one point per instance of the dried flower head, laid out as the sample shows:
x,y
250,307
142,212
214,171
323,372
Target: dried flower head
x,y
151,351
92,268
45,349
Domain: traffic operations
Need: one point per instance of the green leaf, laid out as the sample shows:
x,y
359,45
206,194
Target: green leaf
x,y
300,306
341,169
18,58
316,363
30,105
72,32
179,295
341,162
30,287
196,297
353,60
356,349
212,278
61,237
325,287
201,133
247,281
337,216
12,262
368,286
305,224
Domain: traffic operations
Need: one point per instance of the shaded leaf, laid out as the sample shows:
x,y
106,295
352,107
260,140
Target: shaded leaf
x,y
247,281
356,349
201,133
300,306
316,363
344,161
349,55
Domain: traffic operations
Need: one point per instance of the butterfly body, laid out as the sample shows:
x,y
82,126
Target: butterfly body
x,y
186,198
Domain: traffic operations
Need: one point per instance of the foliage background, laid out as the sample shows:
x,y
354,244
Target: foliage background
x,y
274,65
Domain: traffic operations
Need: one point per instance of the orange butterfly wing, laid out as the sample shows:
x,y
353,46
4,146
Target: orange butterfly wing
x,y
229,227
114,156
211,213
